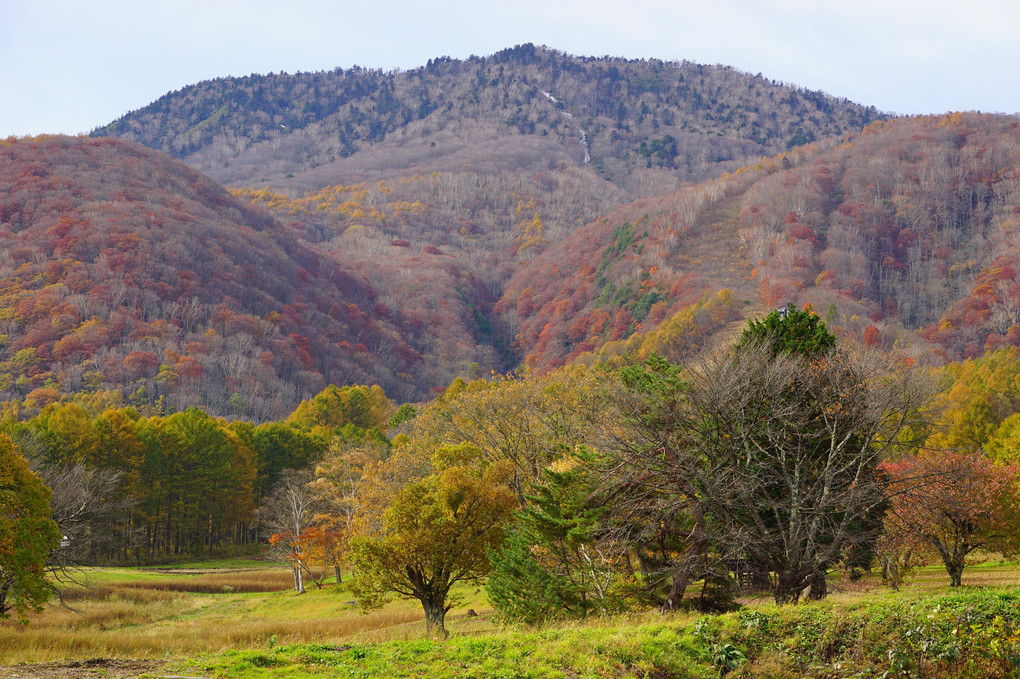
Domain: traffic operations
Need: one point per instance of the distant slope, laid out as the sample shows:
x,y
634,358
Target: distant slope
x,y
123,269
438,184
405,228
522,108
527,131
913,225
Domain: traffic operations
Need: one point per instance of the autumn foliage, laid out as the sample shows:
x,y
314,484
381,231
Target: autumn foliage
x,y
125,270
901,228
955,504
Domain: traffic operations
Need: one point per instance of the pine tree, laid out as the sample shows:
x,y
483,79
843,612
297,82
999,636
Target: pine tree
x,y
553,565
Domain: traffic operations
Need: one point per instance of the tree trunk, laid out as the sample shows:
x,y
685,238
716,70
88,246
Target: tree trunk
x,y
695,554
435,617
954,558
955,571
681,579
5,588
317,580
336,571
819,588
788,587
890,573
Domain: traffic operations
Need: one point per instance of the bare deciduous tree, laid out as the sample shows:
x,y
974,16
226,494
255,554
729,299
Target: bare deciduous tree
x,y
92,511
772,457
287,514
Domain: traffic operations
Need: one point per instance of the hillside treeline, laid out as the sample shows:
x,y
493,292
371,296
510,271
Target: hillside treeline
x,y
130,487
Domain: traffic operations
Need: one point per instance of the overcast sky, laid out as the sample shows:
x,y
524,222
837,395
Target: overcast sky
x,y
67,66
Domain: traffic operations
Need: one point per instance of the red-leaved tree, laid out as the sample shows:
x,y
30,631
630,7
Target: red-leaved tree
x,y
955,503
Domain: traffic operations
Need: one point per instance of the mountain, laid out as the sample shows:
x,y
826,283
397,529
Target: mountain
x,y
527,131
438,184
905,234
404,228
522,108
123,269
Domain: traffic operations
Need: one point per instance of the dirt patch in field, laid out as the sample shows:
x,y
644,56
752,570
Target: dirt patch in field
x,y
83,669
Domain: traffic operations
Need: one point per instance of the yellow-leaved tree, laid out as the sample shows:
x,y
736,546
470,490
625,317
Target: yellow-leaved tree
x,y
527,420
434,534
981,394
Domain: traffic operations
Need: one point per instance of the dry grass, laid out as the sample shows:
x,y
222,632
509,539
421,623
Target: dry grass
x,y
123,628
159,614
990,573
213,582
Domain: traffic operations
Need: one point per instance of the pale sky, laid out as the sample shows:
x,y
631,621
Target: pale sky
x,y
67,66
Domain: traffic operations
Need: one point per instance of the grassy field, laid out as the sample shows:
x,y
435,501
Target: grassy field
x,y
200,608
242,619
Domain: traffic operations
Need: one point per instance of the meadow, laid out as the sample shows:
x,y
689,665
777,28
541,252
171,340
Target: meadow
x,y
242,619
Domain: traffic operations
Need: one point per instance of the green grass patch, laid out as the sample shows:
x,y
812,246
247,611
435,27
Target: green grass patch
x,y
627,647
969,634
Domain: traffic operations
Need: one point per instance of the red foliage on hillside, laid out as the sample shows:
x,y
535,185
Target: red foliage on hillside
x,y
911,225
123,268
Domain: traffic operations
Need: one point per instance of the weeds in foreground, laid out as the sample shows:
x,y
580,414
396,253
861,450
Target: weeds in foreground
x,y
966,635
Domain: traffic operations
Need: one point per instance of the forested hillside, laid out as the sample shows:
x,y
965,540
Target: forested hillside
x,y
909,226
522,108
123,269
126,270
488,160
437,184
451,220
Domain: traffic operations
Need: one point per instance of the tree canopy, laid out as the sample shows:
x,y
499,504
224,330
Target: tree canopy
x,y
27,534
773,449
433,535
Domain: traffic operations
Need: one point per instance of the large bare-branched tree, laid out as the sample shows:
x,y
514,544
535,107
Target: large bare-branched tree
x,y
770,451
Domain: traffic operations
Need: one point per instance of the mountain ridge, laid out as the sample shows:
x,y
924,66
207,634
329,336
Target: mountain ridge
x,y
530,91
472,234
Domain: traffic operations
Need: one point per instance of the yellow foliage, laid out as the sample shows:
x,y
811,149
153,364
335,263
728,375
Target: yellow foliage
x,y
982,394
533,236
334,407
675,338
1003,445
524,419
951,119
